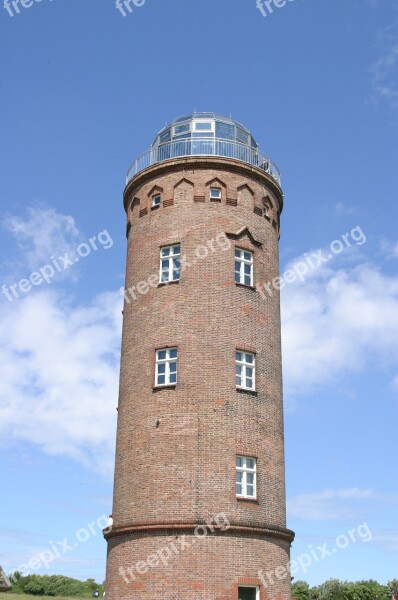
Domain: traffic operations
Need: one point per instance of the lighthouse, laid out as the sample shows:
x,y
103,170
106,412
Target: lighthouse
x,y
199,508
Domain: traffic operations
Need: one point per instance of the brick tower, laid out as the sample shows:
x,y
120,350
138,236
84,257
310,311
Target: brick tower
x,y
199,492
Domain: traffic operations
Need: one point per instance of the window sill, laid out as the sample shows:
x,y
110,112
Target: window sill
x,y
243,285
244,499
245,391
155,207
170,386
164,283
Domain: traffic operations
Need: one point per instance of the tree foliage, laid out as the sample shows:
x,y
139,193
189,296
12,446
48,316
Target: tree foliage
x,y
53,585
334,589
393,588
300,590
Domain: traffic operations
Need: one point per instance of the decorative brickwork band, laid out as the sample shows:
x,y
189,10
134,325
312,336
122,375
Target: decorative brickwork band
x,y
267,531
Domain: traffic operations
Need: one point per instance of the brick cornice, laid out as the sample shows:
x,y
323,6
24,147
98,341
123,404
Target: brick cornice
x,y
202,162
266,530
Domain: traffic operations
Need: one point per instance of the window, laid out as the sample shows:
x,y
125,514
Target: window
x,y
245,477
215,194
267,207
166,366
156,200
165,136
179,129
170,263
249,592
245,370
203,126
243,266
225,131
241,135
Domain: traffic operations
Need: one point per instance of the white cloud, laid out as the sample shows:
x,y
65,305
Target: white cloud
x,y
60,362
44,233
388,248
59,381
328,505
337,322
343,208
386,539
384,70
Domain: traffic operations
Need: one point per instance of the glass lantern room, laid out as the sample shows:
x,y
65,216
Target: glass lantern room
x,y
205,134
205,125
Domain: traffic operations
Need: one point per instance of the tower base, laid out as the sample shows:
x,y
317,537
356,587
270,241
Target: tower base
x,y
182,564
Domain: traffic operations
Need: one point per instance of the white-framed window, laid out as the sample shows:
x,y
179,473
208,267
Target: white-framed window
x,y
246,484
204,126
215,193
249,592
266,207
245,370
170,263
166,366
243,266
156,199
165,136
181,129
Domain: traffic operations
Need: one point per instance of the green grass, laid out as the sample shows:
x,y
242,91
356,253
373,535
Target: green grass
x,y
7,596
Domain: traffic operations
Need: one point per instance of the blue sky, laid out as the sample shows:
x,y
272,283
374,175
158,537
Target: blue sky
x,y
84,90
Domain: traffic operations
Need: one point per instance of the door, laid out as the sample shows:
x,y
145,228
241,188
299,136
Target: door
x,y
248,593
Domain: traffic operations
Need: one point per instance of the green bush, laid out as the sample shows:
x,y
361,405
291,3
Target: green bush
x,y
53,585
300,590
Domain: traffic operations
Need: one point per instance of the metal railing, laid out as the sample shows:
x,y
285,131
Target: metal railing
x,y
204,146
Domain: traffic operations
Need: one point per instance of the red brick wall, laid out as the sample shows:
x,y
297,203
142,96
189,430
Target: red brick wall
x,y
176,448
211,569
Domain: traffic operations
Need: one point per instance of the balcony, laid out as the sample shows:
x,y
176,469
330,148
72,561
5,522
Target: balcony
x,y
204,146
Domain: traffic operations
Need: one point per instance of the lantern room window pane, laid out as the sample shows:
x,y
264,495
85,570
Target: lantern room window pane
x,y
203,126
225,131
179,129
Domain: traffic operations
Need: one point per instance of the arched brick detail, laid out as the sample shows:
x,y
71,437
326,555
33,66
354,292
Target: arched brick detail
x,y
155,190
216,182
183,192
247,187
135,202
246,196
183,180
